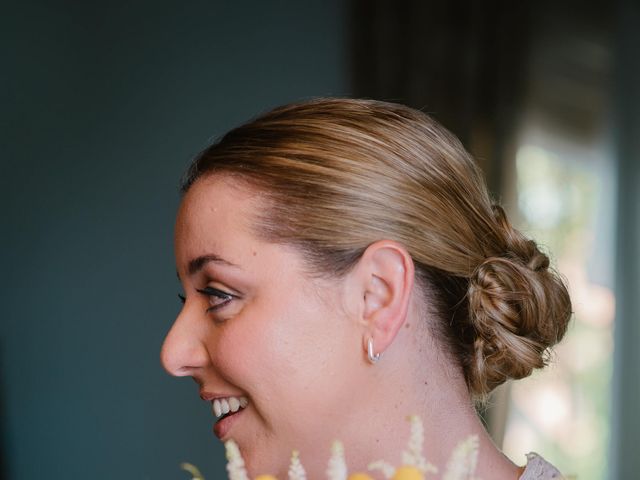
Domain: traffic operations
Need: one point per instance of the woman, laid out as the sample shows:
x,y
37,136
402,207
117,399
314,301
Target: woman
x,y
343,267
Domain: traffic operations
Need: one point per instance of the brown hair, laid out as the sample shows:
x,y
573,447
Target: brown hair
x,y
339,174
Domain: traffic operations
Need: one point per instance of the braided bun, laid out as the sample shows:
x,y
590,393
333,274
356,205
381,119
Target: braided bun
x,y
518,308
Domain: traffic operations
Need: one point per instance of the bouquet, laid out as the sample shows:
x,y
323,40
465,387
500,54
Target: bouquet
x,y
413,466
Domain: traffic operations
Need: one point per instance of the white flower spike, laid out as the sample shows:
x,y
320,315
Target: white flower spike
x,y
235,463
296,470
337,469
413,456
464,460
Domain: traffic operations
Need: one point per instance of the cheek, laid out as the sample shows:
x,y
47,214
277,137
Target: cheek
x,y
287,353
271,349
258,349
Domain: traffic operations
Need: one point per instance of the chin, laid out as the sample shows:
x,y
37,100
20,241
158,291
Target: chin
x,y
267,462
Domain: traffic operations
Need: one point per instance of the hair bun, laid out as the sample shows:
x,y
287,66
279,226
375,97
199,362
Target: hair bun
x,y
518,309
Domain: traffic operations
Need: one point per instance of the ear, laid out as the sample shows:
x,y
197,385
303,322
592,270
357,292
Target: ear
x,y
383,280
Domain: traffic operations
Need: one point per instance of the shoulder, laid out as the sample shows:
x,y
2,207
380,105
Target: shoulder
x,y
539,469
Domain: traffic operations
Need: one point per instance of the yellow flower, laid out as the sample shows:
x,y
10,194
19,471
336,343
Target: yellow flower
x,y
359,476
408,473
265,477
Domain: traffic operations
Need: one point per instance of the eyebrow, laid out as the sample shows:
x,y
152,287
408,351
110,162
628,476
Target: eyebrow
x,y
198,263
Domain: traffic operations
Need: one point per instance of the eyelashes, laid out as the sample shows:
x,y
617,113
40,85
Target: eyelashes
x,y
213,294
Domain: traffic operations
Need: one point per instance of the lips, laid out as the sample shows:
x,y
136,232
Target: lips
x,y
223,425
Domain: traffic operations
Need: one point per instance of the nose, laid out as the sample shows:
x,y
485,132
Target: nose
x,y
184,350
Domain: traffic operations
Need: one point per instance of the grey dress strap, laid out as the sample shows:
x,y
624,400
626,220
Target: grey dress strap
x,y
539,469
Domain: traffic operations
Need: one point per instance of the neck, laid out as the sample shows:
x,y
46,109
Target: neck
x,y
377,428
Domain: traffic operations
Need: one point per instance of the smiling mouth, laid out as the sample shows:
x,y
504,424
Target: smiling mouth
x,y
227,410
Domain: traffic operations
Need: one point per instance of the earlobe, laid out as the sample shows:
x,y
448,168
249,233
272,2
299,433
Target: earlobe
x,y
388,273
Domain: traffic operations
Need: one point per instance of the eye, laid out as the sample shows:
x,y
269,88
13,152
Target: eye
x,y
217,298
182,298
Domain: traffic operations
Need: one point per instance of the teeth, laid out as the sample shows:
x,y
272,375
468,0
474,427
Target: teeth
x,y
231,404
234,404
225,405
217,411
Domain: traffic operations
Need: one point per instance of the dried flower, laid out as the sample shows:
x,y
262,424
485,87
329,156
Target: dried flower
x,y
408,473
235,463
413,461
464,460
413,455
386,468
337,469
296,470
193,470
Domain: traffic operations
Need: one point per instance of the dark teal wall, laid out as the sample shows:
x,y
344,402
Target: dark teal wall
x,y
103,104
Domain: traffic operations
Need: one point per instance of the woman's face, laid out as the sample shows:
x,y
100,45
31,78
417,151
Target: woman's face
x,y
254,326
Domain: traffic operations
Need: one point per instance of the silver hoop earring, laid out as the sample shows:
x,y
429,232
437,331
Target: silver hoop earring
x,y
372,358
